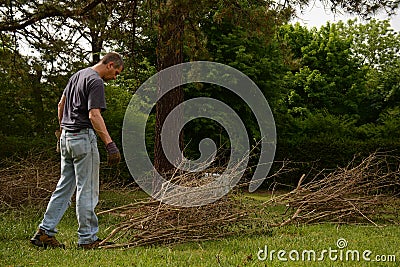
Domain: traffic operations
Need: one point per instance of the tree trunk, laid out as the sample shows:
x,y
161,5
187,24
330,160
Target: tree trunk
x,y
97,44
169,53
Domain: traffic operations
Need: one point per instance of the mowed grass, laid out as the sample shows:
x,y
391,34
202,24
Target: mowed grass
x,y
244,249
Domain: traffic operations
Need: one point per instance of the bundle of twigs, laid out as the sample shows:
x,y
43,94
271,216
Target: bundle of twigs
x,y
28,180
356,193
153,222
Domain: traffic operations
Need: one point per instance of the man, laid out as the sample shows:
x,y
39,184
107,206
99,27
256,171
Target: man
x,y
79,114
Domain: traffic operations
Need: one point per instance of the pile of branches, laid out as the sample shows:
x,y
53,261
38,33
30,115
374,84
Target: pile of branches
x,y
361,192
28,180
152,222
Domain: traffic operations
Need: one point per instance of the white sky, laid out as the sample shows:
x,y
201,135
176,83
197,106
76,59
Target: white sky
x,y
316,16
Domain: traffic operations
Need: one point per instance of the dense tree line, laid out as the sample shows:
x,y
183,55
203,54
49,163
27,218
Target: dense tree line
x,y
334,91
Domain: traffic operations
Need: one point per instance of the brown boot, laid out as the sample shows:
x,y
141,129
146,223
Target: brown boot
x,y
41,239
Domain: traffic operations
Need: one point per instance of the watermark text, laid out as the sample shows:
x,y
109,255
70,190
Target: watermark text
x,y
338,253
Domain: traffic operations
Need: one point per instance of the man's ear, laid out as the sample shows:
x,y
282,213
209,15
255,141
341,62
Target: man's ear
x,y
110,65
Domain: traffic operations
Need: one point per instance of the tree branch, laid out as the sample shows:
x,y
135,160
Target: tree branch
x,y
44,12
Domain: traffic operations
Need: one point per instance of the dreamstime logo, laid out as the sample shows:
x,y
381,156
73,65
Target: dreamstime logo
x,y
338,253
341,243
145,99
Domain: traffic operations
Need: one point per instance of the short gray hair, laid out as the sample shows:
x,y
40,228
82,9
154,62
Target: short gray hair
x,y
113,57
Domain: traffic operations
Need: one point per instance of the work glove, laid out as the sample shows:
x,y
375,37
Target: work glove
x,y
113,155
58,135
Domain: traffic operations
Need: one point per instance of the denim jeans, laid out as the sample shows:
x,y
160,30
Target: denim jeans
x,y
80,163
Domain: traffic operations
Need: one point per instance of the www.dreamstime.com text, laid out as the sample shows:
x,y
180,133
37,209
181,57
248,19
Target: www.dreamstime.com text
x,y
338,253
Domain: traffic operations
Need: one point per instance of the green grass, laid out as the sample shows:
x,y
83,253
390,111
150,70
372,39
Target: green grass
x,y
17,227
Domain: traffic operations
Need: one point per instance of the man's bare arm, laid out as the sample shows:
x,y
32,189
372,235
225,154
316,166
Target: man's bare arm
x,y
61,105
99,125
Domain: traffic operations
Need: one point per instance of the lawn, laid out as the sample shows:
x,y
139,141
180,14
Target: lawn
x,y
291,245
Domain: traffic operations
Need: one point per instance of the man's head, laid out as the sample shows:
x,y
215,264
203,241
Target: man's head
x,y
110,66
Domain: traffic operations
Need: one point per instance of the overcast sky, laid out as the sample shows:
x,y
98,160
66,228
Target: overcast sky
x,y
316,16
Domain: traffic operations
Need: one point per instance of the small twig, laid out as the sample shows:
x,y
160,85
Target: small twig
x,y
300,182
130,205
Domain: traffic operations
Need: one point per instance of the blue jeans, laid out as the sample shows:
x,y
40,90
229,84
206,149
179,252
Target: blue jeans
x,y
80,162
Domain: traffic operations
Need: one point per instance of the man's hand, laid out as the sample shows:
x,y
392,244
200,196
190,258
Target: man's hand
x,y
58,135
113,155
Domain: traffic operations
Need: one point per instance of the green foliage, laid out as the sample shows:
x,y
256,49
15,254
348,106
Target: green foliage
x,y
21,95
327,78
377,46
257,56
341,93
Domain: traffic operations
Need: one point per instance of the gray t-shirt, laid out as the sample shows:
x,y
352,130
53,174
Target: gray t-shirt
x,y
84,91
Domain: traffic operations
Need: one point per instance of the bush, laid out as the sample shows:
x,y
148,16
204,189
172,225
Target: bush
x,y
21,146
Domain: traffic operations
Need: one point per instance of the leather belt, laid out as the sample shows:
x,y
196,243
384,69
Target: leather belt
x,y
73,131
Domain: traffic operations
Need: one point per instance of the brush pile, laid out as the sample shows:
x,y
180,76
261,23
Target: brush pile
x,y
153,222
28,181
358,193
